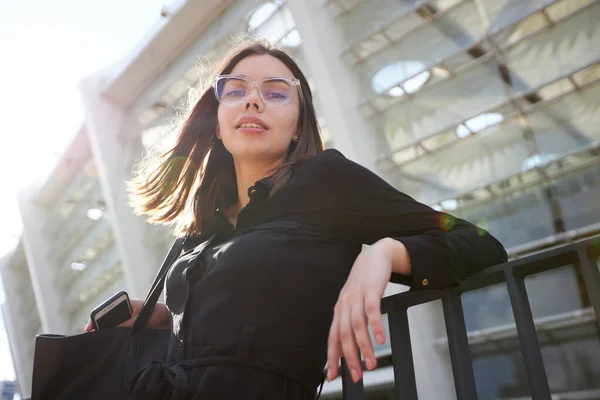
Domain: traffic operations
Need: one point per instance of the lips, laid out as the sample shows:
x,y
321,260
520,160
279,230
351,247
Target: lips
x,y
251,123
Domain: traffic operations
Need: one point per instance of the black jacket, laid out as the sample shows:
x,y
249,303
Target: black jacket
x,y
260,297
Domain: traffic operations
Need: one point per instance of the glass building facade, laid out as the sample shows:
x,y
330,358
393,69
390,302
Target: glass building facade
x,y
486,109
490,110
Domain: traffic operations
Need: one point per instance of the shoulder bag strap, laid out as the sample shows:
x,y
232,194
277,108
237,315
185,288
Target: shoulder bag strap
x,y
155,290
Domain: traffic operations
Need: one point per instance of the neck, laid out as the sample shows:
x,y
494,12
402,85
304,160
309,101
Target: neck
x,y
247,174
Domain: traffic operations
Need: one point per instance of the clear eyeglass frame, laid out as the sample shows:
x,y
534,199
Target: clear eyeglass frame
x,y
292,82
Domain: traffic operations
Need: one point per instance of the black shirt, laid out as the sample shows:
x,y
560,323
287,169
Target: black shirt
x,y
264,291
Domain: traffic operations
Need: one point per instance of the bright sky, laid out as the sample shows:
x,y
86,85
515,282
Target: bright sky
x,y
46,48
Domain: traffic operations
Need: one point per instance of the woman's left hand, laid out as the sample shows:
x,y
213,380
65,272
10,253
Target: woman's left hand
x,y
358,308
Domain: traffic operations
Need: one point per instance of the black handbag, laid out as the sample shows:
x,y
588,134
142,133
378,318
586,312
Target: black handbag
x,y
101,364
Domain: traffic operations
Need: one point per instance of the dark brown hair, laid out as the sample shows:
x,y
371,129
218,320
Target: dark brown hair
x,y
185,185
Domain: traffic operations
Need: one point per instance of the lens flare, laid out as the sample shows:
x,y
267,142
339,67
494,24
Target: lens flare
x,y
482,226
446,222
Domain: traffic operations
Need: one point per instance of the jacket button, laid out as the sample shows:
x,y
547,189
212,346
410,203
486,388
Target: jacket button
x,y
425,282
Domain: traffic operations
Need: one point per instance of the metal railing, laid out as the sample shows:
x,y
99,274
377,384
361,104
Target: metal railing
x,y
513,273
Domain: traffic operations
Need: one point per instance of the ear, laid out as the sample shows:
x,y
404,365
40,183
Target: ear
x,y
218,132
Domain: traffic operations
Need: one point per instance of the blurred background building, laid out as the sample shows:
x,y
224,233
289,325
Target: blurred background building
x,y
487,109
7,390
21,316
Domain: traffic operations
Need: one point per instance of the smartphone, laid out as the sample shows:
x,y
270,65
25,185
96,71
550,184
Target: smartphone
x,y
112,312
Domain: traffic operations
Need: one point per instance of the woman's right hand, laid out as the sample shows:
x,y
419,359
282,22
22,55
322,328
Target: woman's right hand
x,y
160,318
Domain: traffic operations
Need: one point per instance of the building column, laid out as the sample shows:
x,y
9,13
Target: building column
x,y
433,368
336,84
104,123
41,270
23,365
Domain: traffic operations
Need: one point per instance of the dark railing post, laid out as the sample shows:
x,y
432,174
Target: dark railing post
x,y
460,354
591,280
402,358
513,273
350,390
528,341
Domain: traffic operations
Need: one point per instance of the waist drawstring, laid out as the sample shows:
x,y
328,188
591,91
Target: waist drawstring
x,y
162,380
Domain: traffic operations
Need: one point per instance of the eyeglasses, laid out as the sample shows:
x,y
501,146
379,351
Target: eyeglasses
x,y
232,90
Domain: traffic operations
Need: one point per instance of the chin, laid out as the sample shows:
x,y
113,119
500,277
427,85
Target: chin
x,y
259,152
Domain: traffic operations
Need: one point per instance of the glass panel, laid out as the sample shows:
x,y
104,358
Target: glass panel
x,y
501,150
347,4
497,361
569,124
534,23
555,89
277,26
370,15
440,140
578,196
519,218
526,216
403,25
406,154
543,42
442,5
542,289
416,187
371,45
261,14
563,8
448,103
493,154
587,75
570,364
567,47
429,44
333,8
502,13
487,308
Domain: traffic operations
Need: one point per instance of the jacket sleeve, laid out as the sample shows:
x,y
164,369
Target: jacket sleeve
x,y
444,250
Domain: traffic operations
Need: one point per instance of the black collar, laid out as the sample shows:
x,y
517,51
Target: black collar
x,y
261,189
258,193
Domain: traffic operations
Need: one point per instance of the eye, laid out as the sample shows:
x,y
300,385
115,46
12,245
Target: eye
x,y
277,95
235,93
276,90
234,88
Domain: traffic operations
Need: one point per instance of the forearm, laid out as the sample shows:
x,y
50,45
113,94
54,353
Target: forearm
x,y
440,259
397,254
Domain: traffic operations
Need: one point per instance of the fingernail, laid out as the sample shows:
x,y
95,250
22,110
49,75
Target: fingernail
x,y
329,374
379,338
355,375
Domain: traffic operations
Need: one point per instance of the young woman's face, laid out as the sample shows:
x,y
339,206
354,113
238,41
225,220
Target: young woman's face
x,y
277,123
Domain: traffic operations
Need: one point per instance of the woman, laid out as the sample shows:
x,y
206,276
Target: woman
x,y
272,283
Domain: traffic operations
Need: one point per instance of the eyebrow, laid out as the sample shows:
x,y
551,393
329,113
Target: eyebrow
x,y
268,77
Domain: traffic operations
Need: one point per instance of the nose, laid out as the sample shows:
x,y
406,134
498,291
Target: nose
x,y
253,100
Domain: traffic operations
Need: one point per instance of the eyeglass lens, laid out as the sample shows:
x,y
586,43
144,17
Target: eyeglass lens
x,y
234,91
